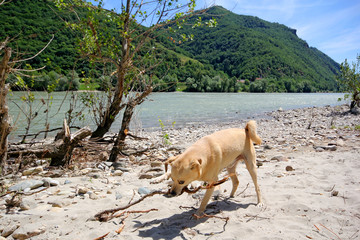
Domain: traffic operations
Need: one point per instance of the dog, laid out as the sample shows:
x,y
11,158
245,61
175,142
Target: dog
x,y
204,160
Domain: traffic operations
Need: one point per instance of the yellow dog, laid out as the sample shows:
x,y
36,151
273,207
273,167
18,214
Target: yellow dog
x,y
204,160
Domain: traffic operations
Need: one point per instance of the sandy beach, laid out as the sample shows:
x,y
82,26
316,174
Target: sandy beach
x,y
309,175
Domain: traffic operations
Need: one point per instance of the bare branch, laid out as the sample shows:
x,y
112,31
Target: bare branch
x,y
27,70
27,59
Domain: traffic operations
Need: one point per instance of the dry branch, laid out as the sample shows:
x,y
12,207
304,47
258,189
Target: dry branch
x,y
106,215
59,151
102,237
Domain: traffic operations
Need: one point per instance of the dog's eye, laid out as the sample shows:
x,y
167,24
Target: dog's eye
x,y
181,182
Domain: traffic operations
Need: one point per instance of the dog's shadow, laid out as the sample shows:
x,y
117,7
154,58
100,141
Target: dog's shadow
x,y
171,227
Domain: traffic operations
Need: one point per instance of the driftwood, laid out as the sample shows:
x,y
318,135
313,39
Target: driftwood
x,y
59,151
106,215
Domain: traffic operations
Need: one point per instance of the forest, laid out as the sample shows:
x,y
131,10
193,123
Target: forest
x,y
242,53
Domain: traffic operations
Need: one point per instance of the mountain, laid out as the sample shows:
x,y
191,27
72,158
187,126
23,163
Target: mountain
x,y
267,56
247,47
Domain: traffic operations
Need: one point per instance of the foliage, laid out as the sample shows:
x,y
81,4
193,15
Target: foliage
x,y
51,81
349,80
165,134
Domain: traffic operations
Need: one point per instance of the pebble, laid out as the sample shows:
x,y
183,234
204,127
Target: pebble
x,y
32,171
146,176
25,232
279,158
82,190
118,196
60,203
67,181
9,230
143,190
334,193
118,173
24,206
156,164
289,168
103,156
32,184
50,182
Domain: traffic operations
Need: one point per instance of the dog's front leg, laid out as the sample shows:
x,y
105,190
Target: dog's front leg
x,y
205,201
162,178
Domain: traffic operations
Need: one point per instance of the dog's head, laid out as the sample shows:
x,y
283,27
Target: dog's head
x,y
183,172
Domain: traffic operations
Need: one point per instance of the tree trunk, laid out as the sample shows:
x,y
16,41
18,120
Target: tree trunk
x,y
120,140
122,70
5,127
129,110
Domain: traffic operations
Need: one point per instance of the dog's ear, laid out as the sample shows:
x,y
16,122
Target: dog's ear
x,y
169,161
196,165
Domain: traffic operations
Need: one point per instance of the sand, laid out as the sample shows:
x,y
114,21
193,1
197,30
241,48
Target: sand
x,y
309,178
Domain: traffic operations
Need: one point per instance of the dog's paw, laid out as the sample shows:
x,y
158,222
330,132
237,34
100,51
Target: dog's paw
x,y
260,205
197,215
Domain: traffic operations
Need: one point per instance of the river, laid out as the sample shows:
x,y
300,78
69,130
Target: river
x,y
179,108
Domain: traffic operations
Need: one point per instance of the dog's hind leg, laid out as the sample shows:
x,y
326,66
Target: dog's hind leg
x,y
235,181
251,167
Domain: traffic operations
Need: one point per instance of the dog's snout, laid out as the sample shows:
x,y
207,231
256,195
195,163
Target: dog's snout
x,y
173,193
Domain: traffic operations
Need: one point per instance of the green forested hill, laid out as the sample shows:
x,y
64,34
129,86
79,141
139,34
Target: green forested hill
x,y
268,56
247,47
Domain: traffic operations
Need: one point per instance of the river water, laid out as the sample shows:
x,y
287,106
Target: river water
x,y
179,107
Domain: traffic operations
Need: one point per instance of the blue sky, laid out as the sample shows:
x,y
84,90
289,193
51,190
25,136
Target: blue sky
x,y
332,26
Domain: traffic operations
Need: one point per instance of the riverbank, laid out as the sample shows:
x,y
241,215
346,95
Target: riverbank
x,y
308,173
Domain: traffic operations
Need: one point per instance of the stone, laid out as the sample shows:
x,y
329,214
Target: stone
x,y
118,196
93,196
279,158
259,164
32,171
330,147
82,190
155,169
118,173
60,203
289,168
118,165
48,182
124,169
32,184
143,191
55,173
340,142
280,140
94,175
319,149
334,193
67,181
24,206
156,164
267,147
132,158
25,232
9,230
103,156
146,176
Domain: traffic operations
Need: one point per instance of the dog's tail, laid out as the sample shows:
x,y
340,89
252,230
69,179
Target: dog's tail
x,y
250,131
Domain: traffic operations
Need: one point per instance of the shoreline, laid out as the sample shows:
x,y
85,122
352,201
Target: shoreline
x,y
308,174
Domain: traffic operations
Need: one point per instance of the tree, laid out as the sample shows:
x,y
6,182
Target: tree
x,y
7,66
129,50
349,80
